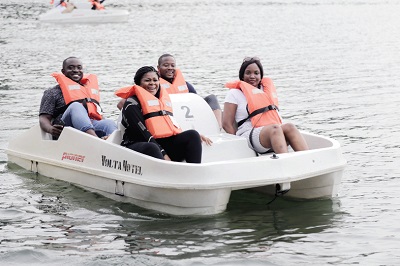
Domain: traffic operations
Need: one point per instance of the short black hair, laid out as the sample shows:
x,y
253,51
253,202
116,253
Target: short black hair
x,y
143,70
66,59
245,64
163,56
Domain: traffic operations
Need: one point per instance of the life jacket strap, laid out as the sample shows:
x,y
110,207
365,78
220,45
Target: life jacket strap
x,y
158,113
252,144
89,100
259,111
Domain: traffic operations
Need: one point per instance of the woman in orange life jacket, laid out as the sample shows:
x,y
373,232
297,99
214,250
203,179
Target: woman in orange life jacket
x,y
263,129
148,119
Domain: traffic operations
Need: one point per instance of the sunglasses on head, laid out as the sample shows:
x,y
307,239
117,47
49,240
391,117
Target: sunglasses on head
x,y
247,59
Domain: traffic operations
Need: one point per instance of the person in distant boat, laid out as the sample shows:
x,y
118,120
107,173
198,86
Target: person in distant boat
x,y
149,122
74,102
251,110
63,5
97,4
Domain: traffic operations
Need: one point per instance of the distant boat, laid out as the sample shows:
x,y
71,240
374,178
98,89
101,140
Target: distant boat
x,y
84,14
179,188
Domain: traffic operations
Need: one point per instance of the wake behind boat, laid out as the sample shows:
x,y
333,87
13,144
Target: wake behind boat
x,y
180,188
84,14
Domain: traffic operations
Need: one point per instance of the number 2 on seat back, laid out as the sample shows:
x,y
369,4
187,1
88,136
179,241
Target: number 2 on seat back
x,y
187,115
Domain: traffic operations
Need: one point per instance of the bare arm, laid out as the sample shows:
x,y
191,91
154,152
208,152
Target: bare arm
x,y
46,126
121,104
228,119
206,140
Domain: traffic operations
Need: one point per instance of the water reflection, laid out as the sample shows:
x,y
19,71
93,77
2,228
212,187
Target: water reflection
x,y
248,226
47,216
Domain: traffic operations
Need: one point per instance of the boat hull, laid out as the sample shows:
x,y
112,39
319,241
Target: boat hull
x,y
321,186
166,200
180,188
85,16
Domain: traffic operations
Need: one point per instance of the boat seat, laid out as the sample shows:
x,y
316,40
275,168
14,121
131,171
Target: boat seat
x,y
192,112
117,136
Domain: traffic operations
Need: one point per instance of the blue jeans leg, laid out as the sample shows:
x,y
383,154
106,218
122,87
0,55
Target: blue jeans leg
x,y
77,117
104,127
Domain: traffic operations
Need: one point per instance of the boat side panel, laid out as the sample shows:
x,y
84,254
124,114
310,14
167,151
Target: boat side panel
x,y
85,16
105,159
317,187
322,186
167,200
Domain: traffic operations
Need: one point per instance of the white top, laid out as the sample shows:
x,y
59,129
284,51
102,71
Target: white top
x,y
237,97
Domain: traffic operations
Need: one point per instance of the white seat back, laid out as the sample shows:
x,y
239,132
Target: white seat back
x,y
192,112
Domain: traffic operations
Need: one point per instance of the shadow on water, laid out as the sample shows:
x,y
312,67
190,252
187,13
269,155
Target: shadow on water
x,y
285,215
248,227
70,218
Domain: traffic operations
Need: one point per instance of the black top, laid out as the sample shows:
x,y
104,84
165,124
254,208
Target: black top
x,y
133,121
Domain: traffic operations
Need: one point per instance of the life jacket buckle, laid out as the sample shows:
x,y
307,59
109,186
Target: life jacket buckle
x,y
272,107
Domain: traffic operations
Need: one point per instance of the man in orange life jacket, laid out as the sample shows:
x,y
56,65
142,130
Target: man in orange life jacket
x,y
172,80
73,102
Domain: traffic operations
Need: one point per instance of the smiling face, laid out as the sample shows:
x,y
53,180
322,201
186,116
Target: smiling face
x,y
72,68
252,75
166,68
150,82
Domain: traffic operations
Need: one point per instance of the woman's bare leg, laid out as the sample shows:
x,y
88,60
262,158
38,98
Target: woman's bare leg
x,y
272,136
294,137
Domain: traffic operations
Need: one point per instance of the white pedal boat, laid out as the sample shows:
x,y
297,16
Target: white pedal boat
x,y
180,188
84,14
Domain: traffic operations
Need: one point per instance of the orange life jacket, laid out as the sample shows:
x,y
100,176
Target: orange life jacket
x,y
97,5
262,105
177,86
157,112
88,93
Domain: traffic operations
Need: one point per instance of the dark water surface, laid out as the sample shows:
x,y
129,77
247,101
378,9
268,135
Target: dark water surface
x,y
336,65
